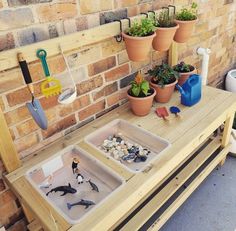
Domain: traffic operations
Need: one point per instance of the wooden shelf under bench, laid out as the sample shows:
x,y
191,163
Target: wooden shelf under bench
x,y
146,192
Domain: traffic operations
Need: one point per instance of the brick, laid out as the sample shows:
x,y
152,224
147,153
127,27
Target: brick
x,y
89,85
145,7
111,47
85,56
81,23
135,66
105,91
1,4
69,26
106,111
19,226
59,126
6,197
53,32
91,110
126,81
117,73
125,3
24,14
17,115
7,210
10,80
25,2
122,57
78,104
49,102
115,98
27,142
101,66
2,106
133,11
55,64
93,20
91,6
2,185
51,115
57,11
7,42
26,127
111,16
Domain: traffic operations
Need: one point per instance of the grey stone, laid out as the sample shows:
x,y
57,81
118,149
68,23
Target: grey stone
x,y
53,33
25,2
126,81
111,16
7,41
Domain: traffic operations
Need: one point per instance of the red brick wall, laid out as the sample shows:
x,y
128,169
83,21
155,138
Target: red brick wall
x,y
101,71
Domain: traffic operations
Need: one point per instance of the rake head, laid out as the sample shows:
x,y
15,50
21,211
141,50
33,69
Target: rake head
x,y
51,87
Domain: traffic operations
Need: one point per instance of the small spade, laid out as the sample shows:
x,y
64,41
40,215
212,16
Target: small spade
x,y
162,112
175,110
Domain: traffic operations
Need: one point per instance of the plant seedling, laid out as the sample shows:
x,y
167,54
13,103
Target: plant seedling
x,y
175,110
188,14
162,113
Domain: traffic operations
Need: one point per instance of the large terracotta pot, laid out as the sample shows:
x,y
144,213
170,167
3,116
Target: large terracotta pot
x,y
185,30
184,76
138,48
141,106
163,94
164,38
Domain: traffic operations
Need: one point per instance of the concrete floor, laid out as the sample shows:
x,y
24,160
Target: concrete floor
x,y
212,207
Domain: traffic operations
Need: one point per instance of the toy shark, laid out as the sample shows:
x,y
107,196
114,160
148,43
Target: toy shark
x,y
85,203
65,189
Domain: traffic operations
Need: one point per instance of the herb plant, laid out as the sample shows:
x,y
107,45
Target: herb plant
x,y
163,19
186,14
141,29
182,67
139,87
163,74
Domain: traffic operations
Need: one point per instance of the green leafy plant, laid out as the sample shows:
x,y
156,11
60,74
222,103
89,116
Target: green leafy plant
x,y
141,28
140,87
182,67
163,19
186,14
163,74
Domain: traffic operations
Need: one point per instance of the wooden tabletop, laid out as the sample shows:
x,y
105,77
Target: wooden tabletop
x,y
185,134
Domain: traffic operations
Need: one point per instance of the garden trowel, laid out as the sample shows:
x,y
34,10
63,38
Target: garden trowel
x,y
34,106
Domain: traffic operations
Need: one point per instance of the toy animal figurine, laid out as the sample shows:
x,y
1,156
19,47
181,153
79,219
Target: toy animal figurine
x,y
46,183
80,179
85,203
65,189
75,164
94,186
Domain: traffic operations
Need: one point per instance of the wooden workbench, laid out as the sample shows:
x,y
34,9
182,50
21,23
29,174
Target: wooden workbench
x,y
166,183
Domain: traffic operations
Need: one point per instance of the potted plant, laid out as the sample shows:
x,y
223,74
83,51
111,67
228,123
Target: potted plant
x,y
140,96
186,20
138,39
184,70
163,80
165,31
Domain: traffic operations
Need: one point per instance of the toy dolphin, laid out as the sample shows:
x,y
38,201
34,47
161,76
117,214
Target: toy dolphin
x,y
94,186
65,189
85,203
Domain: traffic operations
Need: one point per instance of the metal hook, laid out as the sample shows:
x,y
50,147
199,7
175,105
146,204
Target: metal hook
x,y
129,21
119,37
167,8
174,7
152,11
145,14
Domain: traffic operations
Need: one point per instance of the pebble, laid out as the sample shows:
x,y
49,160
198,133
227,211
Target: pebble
x,y
120,149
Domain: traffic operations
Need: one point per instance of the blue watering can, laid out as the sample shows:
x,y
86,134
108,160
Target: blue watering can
x,y
191,90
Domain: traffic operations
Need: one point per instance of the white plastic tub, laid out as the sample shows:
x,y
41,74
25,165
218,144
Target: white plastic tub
x,y
133,134
59,168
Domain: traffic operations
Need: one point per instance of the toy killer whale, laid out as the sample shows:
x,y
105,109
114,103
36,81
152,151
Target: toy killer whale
x,y
65,189
85,203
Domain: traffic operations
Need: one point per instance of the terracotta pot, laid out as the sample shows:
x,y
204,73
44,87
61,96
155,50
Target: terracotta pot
x,y
141,106
164,38
185,30
163,93
138,48
184,76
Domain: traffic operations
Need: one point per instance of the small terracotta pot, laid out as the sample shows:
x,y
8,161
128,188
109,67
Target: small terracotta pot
x,y
141,106
184,76
138,48
163,93
185,30
164,38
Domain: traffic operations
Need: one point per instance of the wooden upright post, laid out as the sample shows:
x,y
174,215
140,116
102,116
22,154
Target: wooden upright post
x,y
173,54
8,151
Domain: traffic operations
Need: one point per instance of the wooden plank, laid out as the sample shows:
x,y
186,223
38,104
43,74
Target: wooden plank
x,y
44,212
34,226
8,151
173,54
149,209
184,196
28,213
227,129
69,42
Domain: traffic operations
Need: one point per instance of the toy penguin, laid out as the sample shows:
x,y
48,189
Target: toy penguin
x,y
79,177
75,164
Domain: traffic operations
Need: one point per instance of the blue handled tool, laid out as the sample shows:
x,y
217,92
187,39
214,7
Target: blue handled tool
x,y
175,110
